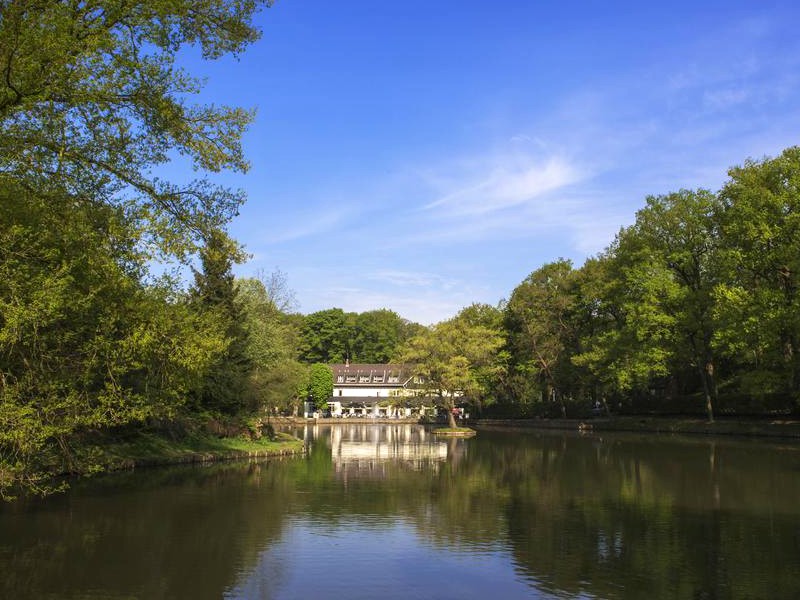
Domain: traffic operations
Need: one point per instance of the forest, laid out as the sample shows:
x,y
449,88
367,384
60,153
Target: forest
x,y
692,308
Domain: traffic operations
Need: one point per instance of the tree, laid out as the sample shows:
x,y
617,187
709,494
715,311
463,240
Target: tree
x,y
539,328
276,287
320,384
91,101
216,296
91,105
84,345
678,233
376,336
759,302
275,373
325,337
452,359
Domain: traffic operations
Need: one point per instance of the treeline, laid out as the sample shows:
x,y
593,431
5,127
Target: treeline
x,y
693,308
101,338
334,336
94,345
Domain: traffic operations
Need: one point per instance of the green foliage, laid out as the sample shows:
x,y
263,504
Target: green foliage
x,y
537,317
759,301
83,344
91,104
320,384
376,336
456,358
215,297
91,101
325,337
660,275
333,336
699,294
275,374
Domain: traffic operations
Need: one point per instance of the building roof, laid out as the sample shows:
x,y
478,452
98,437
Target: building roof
x,y
366,374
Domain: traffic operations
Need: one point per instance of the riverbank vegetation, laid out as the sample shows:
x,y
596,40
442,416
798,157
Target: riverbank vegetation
x,y
98,333
693,307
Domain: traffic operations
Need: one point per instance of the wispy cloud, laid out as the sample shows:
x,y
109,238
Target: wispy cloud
x,y
301,225
506,183
412,279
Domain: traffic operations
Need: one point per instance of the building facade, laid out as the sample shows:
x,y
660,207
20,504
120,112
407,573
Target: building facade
x,y
376,390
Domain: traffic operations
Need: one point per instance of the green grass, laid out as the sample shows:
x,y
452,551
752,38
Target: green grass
x,y
455,431
146,449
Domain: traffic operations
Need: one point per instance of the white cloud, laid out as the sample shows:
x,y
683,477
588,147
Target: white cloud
x,y
413,279
506,183
302,225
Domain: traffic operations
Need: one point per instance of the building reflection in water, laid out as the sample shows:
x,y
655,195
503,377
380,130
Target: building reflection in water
x,y
366,451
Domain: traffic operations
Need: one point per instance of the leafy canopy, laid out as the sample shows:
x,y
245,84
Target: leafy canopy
x,y
91,102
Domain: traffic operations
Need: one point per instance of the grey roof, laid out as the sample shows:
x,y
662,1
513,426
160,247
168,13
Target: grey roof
x,y
365,374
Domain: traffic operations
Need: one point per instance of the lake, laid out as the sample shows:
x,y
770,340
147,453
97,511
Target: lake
x,y
390,511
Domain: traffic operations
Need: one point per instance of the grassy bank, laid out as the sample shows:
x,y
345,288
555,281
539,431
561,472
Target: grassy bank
x,y
106,452
148,449
454,431
780,428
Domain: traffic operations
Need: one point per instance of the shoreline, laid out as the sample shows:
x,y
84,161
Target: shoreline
x,y
781,427
786,428
155,451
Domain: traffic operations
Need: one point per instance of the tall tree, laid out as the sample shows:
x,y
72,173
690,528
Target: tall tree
x,y
453,358
84,345
326,337
678,232
376,335
91,100
759,304
225,385
275,373
539,328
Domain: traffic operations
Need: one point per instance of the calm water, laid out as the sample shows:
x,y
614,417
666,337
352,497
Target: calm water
x,y
390,512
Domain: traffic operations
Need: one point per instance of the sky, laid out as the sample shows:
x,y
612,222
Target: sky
x,y
425,155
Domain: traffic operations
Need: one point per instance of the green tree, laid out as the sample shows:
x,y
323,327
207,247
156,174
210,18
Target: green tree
x,y
91,100
320,384
633,340
599,317
275,373
325,337
216,296
540,331
759,301
84,345
453,359
677,241
376,336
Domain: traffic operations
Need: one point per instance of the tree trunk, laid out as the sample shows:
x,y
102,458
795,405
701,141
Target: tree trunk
x,y
451,420
709,387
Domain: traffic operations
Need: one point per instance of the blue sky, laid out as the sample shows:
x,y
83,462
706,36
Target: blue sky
x,y
422,156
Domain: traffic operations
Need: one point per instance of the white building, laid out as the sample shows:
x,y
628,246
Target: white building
x,y
375,390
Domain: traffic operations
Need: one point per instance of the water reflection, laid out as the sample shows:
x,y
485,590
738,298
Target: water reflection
x,y
391,511
367,450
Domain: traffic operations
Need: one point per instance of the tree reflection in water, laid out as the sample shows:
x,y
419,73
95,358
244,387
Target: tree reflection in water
x,y
392,511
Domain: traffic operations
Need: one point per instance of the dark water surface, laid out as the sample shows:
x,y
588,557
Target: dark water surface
x,y
388,511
